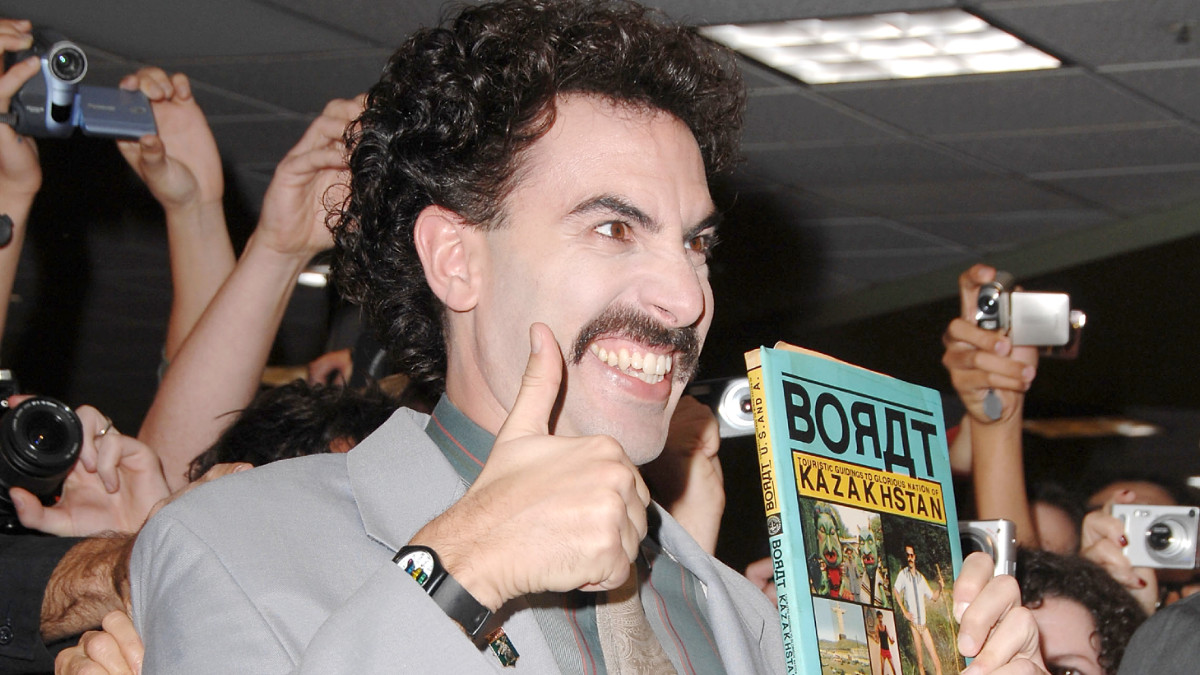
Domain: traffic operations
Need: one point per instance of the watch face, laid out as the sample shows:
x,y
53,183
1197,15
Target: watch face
x,y
418,564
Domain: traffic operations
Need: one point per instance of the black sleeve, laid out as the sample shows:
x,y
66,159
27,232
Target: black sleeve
x,y
26,563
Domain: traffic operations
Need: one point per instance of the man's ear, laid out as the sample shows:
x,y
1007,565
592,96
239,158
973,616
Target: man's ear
x,y
441,237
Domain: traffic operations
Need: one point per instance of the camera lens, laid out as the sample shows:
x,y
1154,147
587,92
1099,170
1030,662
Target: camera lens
x,y
1160,536
987,301
40,440
734,408
45,431
972,542
67,62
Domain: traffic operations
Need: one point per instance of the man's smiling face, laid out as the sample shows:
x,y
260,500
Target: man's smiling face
x,y
605,239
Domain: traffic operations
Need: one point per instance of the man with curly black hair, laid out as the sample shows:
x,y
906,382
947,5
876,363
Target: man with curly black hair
x,y
1084,616
529,225
529,188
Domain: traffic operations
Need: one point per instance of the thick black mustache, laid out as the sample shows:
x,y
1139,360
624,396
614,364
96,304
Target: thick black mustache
x,y
630,323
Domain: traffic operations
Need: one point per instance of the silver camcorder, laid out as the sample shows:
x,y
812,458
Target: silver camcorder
x,y
1030,319
997,538
730,400
1160,536
53,103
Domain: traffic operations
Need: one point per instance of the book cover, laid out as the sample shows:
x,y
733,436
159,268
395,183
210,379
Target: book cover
x,y
860,515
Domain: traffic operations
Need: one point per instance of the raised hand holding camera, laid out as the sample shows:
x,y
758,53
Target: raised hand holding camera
x,y
180,163
112,487
40,440
1104,540
990,374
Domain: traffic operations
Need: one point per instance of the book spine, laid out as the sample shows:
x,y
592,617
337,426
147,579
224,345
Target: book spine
x,y
777,544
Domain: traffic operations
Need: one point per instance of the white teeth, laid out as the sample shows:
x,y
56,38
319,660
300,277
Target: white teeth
x,y
649,368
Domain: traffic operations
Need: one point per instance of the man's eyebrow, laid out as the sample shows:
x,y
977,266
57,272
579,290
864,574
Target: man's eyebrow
x,y
619,206
712,220
622,207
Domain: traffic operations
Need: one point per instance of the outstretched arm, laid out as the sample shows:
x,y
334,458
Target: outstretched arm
x,y
984,365
20,173
182,168
218,368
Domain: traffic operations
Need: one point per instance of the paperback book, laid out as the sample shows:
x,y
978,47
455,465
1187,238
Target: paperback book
x,y
860,515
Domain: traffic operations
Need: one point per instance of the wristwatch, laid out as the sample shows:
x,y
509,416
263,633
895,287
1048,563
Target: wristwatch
x,y
423,565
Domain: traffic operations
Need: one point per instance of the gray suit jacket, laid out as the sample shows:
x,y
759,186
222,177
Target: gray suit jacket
x,y
1166,644
288,568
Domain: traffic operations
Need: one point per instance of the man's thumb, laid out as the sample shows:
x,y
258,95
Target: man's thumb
x,y
540,386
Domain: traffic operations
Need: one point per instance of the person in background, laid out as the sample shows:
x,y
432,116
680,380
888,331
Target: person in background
x,y
991,377
54,588
297,419
1103,541
207,379
1084,616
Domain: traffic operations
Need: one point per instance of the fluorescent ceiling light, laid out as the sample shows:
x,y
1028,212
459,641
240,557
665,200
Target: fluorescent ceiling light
x,y
314,276
882,47
1091,427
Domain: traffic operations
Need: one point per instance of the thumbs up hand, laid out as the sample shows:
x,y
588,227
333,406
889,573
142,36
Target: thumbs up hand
x,y
547,513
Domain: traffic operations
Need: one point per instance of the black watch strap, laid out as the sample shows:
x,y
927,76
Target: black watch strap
x,y
456,601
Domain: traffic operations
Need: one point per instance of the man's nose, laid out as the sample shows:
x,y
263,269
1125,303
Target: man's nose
x,y
673,289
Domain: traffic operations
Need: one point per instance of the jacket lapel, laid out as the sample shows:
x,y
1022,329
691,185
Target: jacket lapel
x,y
733,617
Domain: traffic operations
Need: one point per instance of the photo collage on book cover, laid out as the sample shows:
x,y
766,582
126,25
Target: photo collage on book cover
x,y
876,612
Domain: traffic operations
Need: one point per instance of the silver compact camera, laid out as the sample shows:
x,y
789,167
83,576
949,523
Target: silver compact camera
x,y
1160,536
997,538
730,400
1030,319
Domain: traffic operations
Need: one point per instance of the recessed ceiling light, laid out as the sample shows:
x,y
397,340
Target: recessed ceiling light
x,y
890,46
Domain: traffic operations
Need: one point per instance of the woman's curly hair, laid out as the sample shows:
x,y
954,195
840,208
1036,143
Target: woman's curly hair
x,y
458,104
1042,574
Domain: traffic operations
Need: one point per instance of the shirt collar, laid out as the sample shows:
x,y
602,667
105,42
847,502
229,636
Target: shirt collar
x,y
465,444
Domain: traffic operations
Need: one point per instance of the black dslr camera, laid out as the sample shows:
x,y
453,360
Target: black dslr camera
x,y
40,440
52,104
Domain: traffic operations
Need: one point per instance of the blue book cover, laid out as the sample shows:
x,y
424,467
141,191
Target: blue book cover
x,y
860,513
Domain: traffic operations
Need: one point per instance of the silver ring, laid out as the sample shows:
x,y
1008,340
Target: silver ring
x,y
107,427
